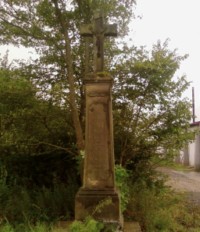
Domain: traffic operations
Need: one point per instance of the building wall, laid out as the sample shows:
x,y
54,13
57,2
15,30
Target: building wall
x,y
192,151
191,154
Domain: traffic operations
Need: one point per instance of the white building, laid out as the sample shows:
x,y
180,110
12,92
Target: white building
x,y
191,154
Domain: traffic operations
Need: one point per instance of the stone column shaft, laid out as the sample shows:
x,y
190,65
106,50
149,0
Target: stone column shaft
x,y
99,177
99,160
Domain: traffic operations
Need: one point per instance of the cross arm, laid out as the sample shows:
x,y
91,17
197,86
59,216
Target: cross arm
x,y
111,30
86,30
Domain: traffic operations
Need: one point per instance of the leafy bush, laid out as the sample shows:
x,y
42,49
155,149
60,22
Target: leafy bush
x,y
39,227
6,228
19,205
23,197
88,225
122,183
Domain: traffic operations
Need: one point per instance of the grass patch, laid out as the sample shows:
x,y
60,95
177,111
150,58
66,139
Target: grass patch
x,y
163,210
175,166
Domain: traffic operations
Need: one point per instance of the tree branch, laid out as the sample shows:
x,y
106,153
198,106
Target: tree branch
x,y
68,59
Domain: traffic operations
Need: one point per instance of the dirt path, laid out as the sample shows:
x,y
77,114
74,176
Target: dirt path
x,y
184,181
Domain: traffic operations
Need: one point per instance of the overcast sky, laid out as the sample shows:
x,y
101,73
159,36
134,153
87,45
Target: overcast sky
x,y
179,21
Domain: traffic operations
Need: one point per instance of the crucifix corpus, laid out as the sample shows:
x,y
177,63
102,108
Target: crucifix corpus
x,y
98,30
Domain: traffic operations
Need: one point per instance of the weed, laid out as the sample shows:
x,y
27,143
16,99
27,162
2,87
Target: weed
x,y
163,210
89,224
123,184
6,228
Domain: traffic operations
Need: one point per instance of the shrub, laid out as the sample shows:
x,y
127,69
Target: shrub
x,y
6,228
123,184
89,224
19,204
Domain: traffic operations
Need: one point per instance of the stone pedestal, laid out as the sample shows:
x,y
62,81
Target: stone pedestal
x,y
99,177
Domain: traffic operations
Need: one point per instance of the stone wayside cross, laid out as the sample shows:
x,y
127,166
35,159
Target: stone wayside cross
x,y
99,173
98,30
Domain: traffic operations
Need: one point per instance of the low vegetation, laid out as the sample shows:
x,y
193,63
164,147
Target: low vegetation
x,y
162,209
155,206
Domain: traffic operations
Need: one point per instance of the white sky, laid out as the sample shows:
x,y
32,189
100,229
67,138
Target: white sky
x,y
179,21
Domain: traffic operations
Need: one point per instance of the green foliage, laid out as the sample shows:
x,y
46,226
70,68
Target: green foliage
x,y
28,124
88,225
161,209
175,166
6,228
122,177
39,227
149,113
20,205
151,118
35,161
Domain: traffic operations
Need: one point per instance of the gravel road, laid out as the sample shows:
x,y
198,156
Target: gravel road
x,y
184,181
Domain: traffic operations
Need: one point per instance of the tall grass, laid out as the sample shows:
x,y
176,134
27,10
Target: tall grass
x,y
18,204
23,209
156,207
163,210
39,227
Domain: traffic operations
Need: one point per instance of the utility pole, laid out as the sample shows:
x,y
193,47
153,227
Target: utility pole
x,y
193,105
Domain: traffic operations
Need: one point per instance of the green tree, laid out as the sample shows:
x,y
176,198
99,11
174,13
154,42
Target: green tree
x,y
37,139
51,27
151,116
30,125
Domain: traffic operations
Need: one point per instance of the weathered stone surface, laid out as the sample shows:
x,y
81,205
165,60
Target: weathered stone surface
x,y
132,227
99,176
98,30
99,160
87,202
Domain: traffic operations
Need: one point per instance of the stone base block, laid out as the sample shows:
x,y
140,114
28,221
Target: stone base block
x,y
103,205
